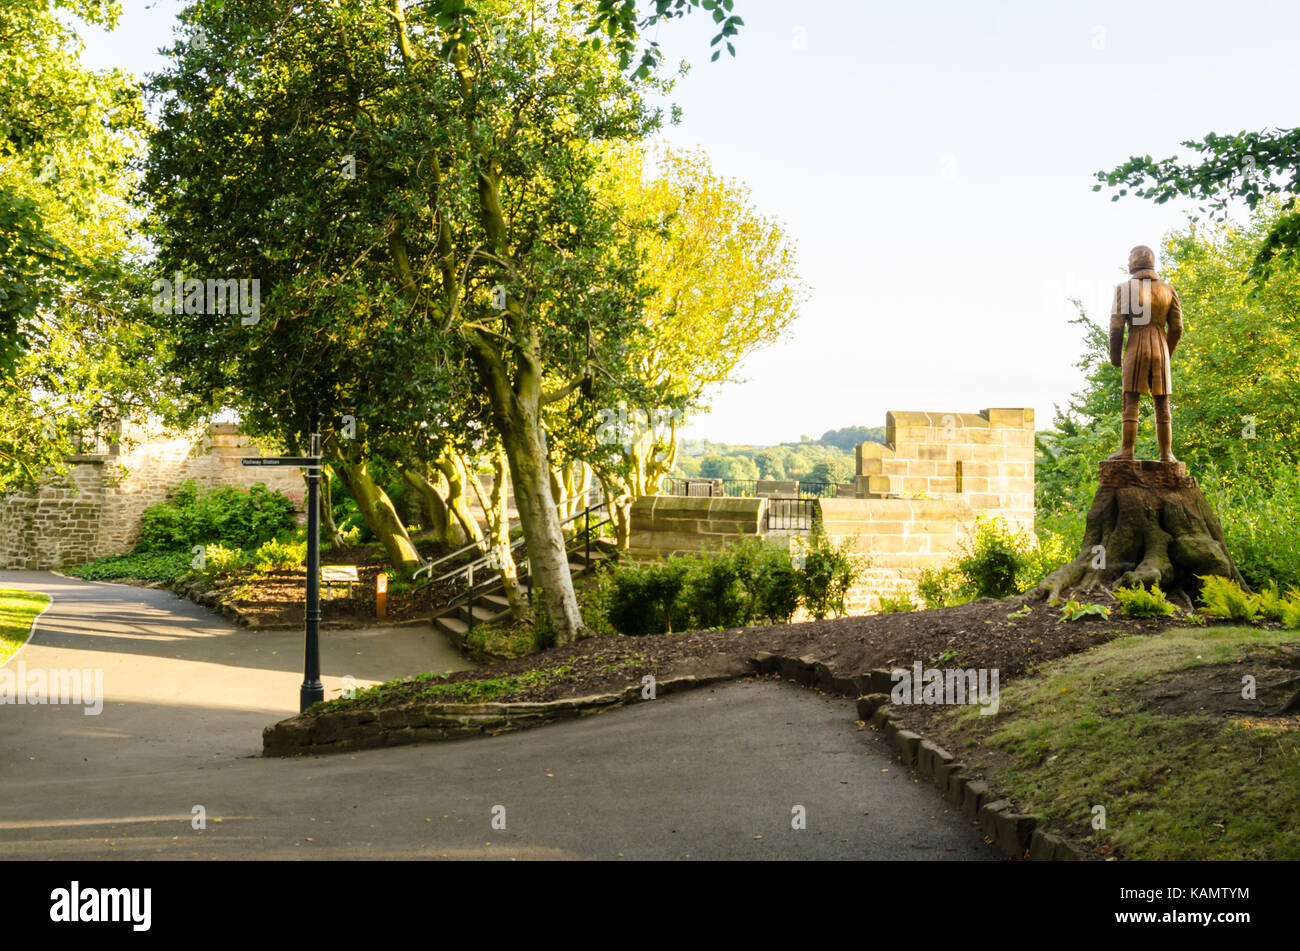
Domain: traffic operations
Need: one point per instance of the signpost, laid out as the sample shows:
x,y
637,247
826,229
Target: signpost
x,y
312,690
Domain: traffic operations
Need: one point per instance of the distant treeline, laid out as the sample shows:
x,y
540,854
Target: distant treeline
x,y
828,459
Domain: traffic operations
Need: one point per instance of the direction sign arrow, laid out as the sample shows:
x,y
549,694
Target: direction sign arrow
x,y
308,461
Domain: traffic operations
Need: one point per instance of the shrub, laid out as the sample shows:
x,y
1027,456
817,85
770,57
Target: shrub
x,y
997,561
714,594
219,560
644,599
1259,511
742,583
942,587
1139,602
829,570
776,587
224,515
1224,598
1291,613
275,555
899,603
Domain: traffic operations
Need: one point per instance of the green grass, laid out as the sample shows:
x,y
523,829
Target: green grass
x,y
1174,786
18,609
409,689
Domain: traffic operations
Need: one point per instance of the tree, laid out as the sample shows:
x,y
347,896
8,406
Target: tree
x,y
415,190
73,358
618,19
1246,166
832,471
850,437
721,285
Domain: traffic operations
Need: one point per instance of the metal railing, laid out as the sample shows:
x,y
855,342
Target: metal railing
x,y
790,515
488,568
752,488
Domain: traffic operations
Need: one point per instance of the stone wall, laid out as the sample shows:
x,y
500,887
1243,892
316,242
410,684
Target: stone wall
x,y
899,537
917,497
986,458
95,509
664,525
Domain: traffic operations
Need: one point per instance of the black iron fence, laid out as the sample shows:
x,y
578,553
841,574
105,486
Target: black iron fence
x,y
752,488
790,515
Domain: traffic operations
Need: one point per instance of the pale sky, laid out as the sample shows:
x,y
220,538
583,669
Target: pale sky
x,y
934,161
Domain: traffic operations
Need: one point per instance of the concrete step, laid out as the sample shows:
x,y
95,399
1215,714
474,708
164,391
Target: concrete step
x,y
579,557
482,614
453,627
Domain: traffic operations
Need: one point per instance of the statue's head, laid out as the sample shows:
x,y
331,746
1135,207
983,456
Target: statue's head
x,y
1141,258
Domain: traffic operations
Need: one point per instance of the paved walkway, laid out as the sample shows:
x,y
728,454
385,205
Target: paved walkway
x,y
707,774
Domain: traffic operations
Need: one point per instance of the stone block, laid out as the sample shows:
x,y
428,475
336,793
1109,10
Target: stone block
x,y
869,704
988,816
1043,845
908,744
1013,832
1008,417
976,793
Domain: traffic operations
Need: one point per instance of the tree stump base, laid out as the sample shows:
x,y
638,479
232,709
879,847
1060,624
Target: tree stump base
x,y
1148,524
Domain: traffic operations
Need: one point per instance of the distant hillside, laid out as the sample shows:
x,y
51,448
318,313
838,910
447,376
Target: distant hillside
x,y
828,459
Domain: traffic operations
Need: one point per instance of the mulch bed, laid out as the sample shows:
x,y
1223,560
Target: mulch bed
x,y
977,634
278,599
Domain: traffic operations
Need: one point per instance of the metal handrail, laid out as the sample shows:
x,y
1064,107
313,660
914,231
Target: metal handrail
x,y
525,568
476,544
429,566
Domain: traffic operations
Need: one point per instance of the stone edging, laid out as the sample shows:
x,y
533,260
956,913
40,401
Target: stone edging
x,y
347,730
1019,835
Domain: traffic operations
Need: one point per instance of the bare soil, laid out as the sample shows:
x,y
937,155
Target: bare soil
x,y
977,634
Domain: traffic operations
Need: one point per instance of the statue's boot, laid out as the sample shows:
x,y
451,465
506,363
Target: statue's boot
x,y
1127,442
1165,436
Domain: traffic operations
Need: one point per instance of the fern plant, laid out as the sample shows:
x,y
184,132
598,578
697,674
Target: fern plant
x,y
1224,598
1270,602
1291,611
1137,601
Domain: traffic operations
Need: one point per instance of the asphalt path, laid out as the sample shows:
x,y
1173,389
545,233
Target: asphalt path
x,y
747,770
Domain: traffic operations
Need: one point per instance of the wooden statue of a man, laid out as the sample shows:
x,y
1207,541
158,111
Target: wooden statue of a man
x,y
1149,308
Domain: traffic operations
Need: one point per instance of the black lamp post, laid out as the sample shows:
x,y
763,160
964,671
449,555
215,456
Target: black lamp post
x,y
312,690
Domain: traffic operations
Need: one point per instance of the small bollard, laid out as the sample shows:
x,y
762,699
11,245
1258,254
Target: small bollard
x,y
381,595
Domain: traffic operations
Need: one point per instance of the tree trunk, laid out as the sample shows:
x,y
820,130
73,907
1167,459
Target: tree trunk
x,y
456,472
328,527
435,494
516,412
569,487
647,468
379,513
1149,523
618,496
496,507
